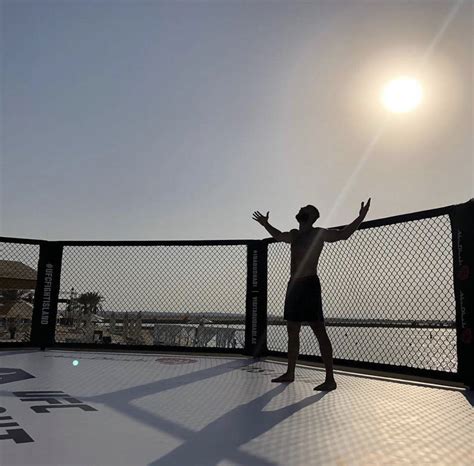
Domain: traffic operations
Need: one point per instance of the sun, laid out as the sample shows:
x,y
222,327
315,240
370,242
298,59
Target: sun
x,y
402,95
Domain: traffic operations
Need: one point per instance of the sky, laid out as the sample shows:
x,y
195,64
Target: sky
x,y
131,120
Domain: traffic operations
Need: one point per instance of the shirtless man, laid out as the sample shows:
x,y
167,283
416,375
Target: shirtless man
x,y
303,296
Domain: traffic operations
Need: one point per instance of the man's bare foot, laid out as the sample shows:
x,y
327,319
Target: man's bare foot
x,y
284,378
327,386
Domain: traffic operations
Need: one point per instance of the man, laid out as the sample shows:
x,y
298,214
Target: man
x,y
303,301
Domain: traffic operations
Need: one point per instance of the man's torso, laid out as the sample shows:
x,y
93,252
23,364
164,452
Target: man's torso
x,y
306,248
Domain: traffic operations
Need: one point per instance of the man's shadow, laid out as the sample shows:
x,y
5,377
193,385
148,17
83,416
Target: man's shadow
x,y
221,438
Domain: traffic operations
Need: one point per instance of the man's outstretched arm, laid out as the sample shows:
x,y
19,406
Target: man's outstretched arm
x,y
331,236
276,234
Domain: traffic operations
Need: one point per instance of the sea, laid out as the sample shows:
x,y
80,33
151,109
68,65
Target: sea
x,y
423,348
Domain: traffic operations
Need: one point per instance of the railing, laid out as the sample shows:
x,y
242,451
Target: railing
x,y
397,295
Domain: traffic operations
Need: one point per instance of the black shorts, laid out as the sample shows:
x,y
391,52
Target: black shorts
x,y
303,301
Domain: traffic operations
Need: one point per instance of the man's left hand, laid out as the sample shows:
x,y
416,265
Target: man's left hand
x,y
364,208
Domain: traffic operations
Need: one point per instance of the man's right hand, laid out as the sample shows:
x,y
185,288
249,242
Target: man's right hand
x,y
257,216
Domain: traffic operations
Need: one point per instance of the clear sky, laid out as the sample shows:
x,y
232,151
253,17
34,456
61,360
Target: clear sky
x,y
176,120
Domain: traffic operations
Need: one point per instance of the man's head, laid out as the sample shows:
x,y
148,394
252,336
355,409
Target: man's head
x,y
307,215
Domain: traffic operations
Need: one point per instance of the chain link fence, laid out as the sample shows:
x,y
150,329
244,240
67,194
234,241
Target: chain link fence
x,y
387,295
18,273
396,293
186,296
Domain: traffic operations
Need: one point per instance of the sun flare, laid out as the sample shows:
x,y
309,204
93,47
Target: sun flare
x,y
402,95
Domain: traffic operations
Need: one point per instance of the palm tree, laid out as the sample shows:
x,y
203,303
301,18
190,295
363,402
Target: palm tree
x,y
91,303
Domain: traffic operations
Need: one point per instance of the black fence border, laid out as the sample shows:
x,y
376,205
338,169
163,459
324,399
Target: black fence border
x,y
8,239
198,242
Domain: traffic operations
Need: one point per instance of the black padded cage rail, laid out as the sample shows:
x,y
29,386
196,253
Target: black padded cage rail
x,y
397,295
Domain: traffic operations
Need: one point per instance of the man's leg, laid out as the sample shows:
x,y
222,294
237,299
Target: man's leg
x,y
325,347
293,350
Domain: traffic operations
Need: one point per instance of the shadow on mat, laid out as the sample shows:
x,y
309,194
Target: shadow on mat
x,y
221,438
